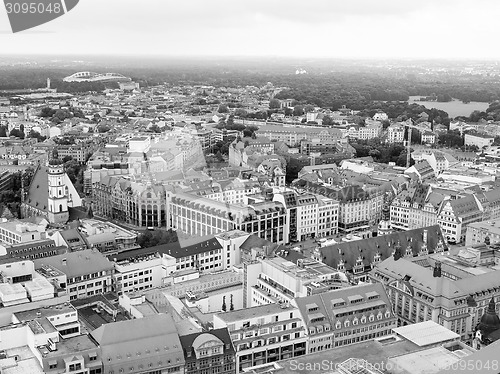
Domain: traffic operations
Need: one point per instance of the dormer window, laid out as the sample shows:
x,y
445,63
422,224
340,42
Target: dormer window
x,y
359,261
341,266
409,251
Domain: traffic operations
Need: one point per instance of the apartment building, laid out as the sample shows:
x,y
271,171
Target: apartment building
x,y
264,334
79,152
32,249
370,131
346,316
88,272
61,317
395,134
452,290
439,161
137,274
455,215
200,216
358,208
209,352
414,207
479,140
490,201
144,345
428,137
179,261
78,354
20,283
107,237
308,215
316,146
278,280
221,135
204,137
293,135
17,231
328,216
357,258
136,203
419,205
231,191
483,232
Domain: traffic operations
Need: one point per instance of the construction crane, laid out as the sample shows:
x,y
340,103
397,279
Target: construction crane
x,y
409,123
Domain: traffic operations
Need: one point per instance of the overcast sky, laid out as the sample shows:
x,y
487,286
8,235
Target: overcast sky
x,y
312,28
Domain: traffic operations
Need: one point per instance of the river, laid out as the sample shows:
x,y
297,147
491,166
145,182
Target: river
x,y
454,108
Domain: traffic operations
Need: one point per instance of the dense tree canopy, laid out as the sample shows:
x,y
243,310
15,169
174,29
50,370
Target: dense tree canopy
x,y
156,237
451,139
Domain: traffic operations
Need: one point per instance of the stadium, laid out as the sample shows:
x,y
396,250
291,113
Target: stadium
x,y
88,76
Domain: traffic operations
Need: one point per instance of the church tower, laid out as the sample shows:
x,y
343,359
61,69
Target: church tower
x,y
58,191
384,226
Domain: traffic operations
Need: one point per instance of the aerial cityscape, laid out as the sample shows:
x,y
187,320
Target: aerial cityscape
x,y
205,199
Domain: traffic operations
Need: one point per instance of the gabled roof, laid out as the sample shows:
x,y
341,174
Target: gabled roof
x,y
175,249
421,277
331,305
135,329
493,196
464,206
254,241
141,341
350,251
76,264
38,192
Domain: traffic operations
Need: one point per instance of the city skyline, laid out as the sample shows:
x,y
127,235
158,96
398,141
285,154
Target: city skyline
x,y
323,29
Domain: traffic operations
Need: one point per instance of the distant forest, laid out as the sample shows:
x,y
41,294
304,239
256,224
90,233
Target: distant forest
x,y
322,87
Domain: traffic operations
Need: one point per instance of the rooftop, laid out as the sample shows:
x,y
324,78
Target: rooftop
x,y
432,360
20,360
69,346
486,354
310,268
254,312
75,264
234,234
426,333
46,311
174,249
490,226
374,352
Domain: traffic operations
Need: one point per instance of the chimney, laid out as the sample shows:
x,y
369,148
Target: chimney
x,y
425,237
437,270
64,261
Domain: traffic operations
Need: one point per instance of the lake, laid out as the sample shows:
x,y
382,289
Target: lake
x,y
454,108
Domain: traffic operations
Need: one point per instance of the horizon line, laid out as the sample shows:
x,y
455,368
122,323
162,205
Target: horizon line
x,y
214,56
